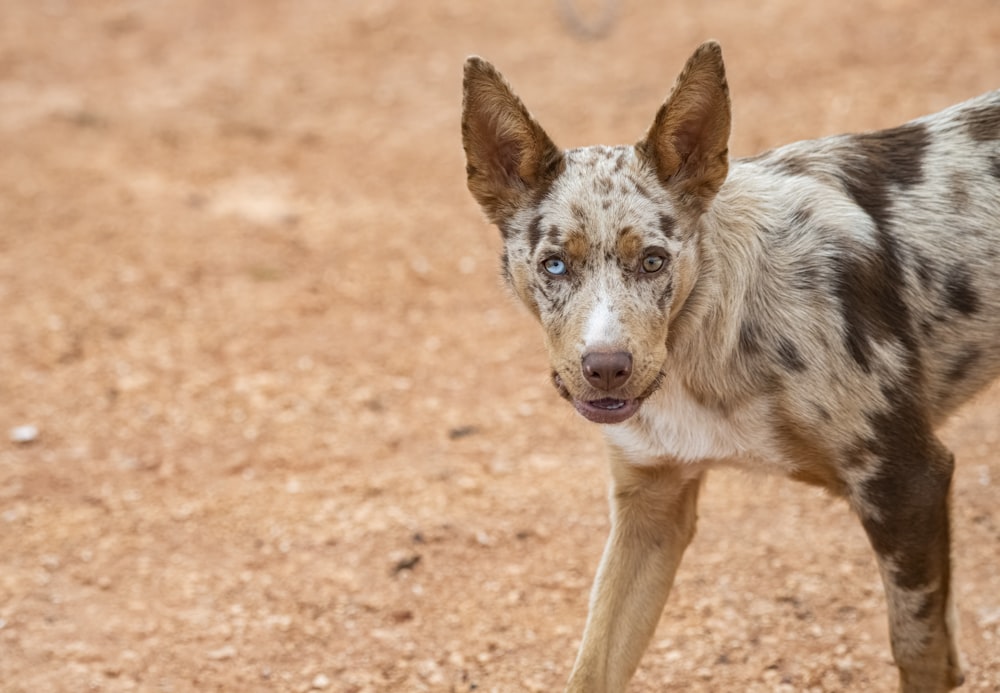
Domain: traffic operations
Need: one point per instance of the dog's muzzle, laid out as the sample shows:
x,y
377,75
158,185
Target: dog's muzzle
x,y
606,372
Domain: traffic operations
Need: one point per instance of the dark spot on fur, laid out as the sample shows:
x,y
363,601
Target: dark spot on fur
x,y
875,160
794,165
926,608
789,355
958,191
606,204
505,267
749,339
553,235
535,233
579,214
665,296
641,189
871,303
823,412
961,366
805,277
959,292
667,225
904,502
983,122
605,185
801,216
995,167
925,270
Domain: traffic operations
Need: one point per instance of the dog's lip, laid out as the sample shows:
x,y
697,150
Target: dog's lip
x,y
607,410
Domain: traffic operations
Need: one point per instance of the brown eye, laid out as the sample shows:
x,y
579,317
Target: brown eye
x,y
652,264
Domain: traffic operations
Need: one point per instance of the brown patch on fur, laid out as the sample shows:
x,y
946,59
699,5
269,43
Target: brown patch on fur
x,y
577,247
876,160
871,303
983,123
961,366
814,464
668,226
629,247
959,292
908,492
535,233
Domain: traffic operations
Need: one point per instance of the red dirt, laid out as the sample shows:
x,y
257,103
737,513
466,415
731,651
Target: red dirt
x,y
292,432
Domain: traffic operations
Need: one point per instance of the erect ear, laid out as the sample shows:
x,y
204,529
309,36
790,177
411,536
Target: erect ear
x,y
688,143
509,158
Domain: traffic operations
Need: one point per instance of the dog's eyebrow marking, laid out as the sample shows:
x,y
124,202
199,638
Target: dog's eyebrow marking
x,y
628,247
960,294
983,123
577,246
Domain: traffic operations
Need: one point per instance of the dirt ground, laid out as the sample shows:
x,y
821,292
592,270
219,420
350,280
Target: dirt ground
x,y
292,434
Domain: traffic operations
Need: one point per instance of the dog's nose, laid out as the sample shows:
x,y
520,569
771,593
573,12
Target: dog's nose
x,y
607,370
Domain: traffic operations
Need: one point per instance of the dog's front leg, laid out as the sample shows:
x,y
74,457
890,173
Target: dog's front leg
x,y
653,513
904,507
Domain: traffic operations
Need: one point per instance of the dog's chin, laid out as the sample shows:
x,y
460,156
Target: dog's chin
x,y
607,410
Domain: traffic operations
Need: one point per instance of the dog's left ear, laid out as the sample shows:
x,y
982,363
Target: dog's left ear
x,y
688,143
509,158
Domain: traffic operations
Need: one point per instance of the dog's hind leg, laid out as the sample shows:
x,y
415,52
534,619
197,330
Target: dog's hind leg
x,y
653,514
904,507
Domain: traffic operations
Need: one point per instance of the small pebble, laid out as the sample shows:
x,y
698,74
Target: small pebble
x,y
22,435
224,652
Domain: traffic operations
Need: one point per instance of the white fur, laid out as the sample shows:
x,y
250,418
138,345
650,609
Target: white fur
x,y
671,424
603,327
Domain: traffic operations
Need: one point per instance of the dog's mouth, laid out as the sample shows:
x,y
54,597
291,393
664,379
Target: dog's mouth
x,y
606,410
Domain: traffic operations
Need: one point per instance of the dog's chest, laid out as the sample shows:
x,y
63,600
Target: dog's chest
x,y
672,424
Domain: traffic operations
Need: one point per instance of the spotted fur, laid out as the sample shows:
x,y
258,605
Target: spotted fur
x,y
816,311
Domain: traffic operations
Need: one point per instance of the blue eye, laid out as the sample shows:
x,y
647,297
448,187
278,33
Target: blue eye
x,y
554,266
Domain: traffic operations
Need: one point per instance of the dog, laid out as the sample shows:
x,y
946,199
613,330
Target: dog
x,y
814,311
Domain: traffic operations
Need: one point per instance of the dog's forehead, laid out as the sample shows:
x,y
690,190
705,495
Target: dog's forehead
x,y
603,190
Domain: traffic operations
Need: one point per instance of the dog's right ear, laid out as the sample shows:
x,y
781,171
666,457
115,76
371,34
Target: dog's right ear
x,y
509,158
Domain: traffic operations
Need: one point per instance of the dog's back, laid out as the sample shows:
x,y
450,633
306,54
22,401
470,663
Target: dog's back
x,y
893,236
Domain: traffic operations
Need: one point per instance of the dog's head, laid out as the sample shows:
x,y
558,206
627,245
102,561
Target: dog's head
x,y
602,244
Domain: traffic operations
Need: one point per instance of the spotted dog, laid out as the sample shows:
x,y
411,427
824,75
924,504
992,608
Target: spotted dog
x,y
815,311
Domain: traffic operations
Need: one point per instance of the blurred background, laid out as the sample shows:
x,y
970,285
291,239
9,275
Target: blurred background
x,y
270,421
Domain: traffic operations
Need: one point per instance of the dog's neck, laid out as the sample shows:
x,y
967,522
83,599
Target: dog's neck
x,y
705,334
